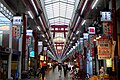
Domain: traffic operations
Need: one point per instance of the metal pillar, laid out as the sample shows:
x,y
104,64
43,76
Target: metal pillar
x,y
35,49
10,55
24,41
114,20
20,57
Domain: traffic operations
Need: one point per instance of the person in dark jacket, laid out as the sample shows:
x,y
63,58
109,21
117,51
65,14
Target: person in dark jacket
x,y
43,72
65,67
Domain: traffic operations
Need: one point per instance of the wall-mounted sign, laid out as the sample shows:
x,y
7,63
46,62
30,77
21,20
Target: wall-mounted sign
x,y
17,20
104,49
105,16
91,30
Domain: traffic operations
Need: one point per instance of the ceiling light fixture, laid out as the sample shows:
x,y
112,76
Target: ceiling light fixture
x,y
38,28
46,40
41,22
73,38
83,22
43,35
84,6
95,2
30,14
77,32
34,6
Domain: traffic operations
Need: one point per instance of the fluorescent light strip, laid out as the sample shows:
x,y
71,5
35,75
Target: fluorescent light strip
x,y
73,38
77,22
84,6
34,6
94,4
41,22
43,35
30,14
77,32
38,28
83,22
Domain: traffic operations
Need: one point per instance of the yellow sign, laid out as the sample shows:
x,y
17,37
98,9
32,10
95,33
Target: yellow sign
x,y
109,62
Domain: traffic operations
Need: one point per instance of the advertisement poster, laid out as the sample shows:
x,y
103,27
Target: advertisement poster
x,y
104,49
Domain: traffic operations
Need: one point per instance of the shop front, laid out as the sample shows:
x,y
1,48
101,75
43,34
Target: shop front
x,y
3,63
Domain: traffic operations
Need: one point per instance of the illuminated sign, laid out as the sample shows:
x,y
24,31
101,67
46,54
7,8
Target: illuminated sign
x,y
32,54
1,32
91,30
17,20
85,35
109,62
29,32
105,16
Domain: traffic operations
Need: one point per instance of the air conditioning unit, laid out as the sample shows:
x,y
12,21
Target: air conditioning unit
x,y
8,50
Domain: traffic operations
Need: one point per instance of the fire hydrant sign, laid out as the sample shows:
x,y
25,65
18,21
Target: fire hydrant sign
x,y
104,49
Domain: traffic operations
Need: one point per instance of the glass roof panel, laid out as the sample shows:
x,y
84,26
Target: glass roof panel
x,y
4,20
60,11
56,9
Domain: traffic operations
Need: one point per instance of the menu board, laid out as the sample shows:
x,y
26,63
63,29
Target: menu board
x,y
104,49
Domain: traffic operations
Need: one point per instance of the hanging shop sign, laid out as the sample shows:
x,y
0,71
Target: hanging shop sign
x,y
29,32
91,30
16,32
28,40
91,38
17,20
32,54
109,62
104,49
107,28
85,35
41,57
105,16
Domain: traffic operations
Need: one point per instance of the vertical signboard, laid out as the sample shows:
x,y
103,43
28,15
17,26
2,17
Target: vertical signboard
x,y
104,49
16,31
107,28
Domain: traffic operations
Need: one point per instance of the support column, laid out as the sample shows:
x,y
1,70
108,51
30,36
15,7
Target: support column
x,y
35,49
114,19
10,55
20,57
24,41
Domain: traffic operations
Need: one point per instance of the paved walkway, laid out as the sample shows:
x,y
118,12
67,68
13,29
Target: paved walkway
x,y
50,75
56,75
